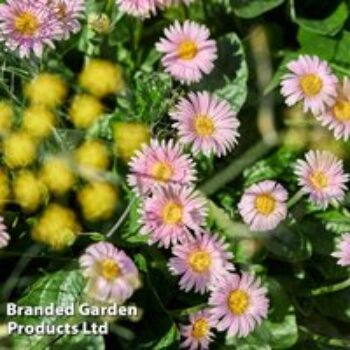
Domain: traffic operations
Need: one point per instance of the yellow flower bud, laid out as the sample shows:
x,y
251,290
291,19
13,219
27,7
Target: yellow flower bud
x,y
92,156
46,89
38,121
6,116
19,149
100,23
58,175
128,138
57,227
85,110
28,191
98,201
101,78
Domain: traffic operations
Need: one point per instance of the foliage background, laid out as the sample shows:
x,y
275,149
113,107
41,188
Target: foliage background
x,y
256,39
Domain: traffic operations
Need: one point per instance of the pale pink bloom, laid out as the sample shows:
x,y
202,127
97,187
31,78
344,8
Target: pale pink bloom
x,y
238,304
321,175
207,123
343,251
4,236
197,335
188,51
159,164
172,214
337,116
111,275
28,26
311,81
201,262
138,8
263,205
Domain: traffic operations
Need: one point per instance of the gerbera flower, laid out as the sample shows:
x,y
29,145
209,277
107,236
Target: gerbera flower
x,y
201,261
28,26
138,8
238,304
111,275
263,205
321,175
169,215
343,251
4,236
206,123
188,51
198,334
310,81
337,116
160,163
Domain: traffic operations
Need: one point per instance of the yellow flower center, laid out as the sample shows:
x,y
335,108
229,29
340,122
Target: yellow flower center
x,y
341,111
238,302
26,24
200,261
204,126
161,171
265,204
187,50
172,213
319,180
311,84
200,328
110,269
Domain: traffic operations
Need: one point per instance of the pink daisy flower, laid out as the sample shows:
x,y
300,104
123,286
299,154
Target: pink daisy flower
x,y
263,205
321,175
160,163
310,81
171,213
206,123
188,51
197,335
4,236
238,304
138,8
343,251
111,274
201,262
27,26
337,116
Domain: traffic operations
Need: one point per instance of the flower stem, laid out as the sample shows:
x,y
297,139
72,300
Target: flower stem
x,y
332,288
295,198
236,167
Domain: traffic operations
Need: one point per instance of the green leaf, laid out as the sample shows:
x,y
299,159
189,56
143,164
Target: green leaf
x,y
330,25
62,288
169,340
254,8
228,79
337,221
79,341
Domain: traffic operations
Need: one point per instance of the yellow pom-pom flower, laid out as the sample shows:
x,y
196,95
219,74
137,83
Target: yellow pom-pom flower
x,y
92,156
4,189
58,175
128,137
28,191
38,121
19,149
46,89
98,201
6,116
101,78
57,227
85,110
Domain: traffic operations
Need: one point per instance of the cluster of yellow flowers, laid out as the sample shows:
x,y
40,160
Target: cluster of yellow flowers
x,y
38,181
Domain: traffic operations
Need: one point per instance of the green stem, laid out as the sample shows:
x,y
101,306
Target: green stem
x,y
332,288
236,167
343,343
295,198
